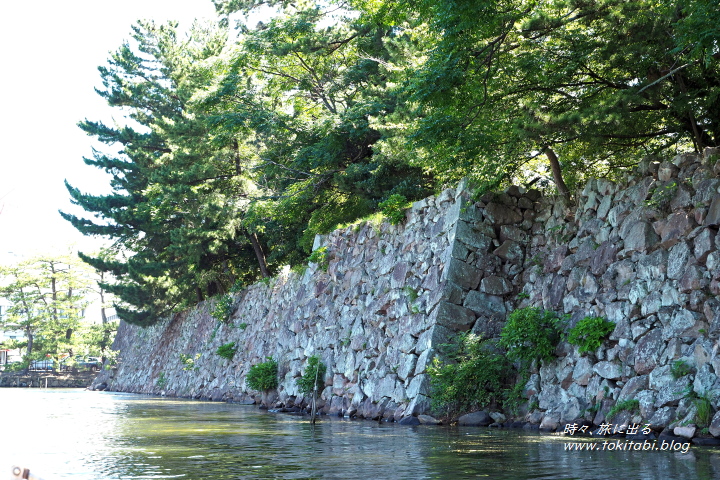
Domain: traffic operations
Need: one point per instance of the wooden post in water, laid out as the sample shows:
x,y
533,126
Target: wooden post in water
x,y
313,411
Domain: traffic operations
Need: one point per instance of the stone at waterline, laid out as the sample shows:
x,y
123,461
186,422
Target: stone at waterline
x,y
476,419
428,420
409,421
715,425
550,422
685,432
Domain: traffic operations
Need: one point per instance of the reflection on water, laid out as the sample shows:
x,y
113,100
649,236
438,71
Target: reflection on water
x,y
63,434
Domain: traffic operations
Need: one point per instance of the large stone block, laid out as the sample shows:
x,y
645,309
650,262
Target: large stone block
x,y
640,238
715,425
608,370
647,351
467,235
502,214
553,292
485,305
713,215
510,252
494,285
455,317
463,274
605,255
476,419
678,258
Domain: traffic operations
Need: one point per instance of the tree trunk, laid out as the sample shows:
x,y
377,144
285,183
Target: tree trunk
x,y
259,254
557,174
28,349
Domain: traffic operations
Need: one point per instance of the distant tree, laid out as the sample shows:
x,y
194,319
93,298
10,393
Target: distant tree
x,y
47,298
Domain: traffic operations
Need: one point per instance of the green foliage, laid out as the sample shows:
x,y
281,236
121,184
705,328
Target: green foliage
x,y
679,369
243,326
189,361
320,257
224,307
235,151
394,208
474,376
45,298
412,294
589,333
531,334
629,404
17,366
263,376
661,196
162,381
315,369
704,411
227,350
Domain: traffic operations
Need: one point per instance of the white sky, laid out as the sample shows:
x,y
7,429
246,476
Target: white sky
x,y
50,51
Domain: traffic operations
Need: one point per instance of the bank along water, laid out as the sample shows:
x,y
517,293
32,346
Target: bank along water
x,y
641,254
81,435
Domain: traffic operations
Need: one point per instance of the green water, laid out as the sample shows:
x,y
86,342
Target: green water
x,y
74,434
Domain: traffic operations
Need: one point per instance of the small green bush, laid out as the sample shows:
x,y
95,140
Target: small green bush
x,y
320,256
679,369
263,376
589,333
411,293
394,208
473,377
189,361
531,334
704,411
629,404
227,350
223,308
161,381
315,369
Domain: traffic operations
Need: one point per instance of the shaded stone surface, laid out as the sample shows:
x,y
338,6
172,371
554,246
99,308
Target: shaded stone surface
x,y
476,419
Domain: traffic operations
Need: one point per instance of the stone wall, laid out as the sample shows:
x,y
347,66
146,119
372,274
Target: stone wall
x,y
643,253
370,317
43,379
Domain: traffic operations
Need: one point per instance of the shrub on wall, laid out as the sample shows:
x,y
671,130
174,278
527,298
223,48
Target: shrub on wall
x,y
589,333
223,308
394,208
263,376
227,350
473,377
313,376
531,334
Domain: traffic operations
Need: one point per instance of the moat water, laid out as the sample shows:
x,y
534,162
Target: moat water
x,y
81,435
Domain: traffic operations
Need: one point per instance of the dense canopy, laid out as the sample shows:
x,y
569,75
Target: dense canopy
x,y
243,143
